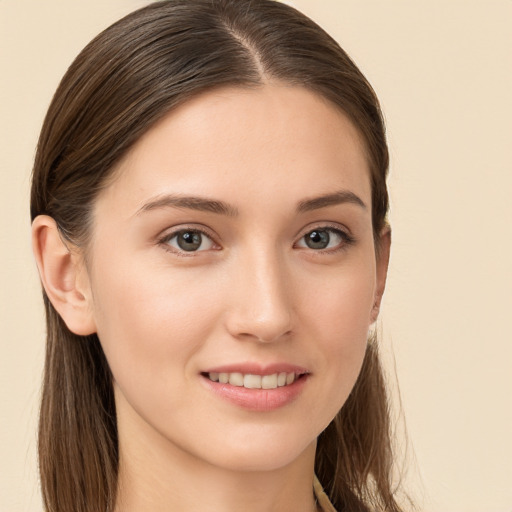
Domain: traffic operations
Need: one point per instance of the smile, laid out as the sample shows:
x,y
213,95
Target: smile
x,y
251,381
256,392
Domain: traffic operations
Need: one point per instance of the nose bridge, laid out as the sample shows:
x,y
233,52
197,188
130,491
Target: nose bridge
x,y
262,308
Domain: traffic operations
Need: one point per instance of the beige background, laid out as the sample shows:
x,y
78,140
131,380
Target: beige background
x,y
443,71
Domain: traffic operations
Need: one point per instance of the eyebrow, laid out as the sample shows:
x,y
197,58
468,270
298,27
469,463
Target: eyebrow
x,y
220,207
340,197
191,203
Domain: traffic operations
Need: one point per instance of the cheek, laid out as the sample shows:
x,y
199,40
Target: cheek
x,y
149,324
341,302
340,317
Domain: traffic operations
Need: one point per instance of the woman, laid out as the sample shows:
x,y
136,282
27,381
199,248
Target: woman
x,y
208,210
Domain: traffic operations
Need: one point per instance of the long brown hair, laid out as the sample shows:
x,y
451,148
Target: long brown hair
x,y
120,85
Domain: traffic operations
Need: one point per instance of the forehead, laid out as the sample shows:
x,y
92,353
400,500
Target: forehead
x,y
244,143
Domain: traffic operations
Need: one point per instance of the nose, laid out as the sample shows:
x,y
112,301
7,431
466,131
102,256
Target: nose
x,y
261,307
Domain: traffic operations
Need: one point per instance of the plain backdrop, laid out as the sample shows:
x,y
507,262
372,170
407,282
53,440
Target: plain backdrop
x,y
443,72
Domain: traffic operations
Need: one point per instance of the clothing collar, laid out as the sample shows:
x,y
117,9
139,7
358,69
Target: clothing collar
x,y
322,498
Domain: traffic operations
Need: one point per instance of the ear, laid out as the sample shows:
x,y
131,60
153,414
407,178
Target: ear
x,y
382,259
64,276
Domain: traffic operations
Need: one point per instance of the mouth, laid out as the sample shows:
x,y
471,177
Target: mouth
x,y
255,381
256,388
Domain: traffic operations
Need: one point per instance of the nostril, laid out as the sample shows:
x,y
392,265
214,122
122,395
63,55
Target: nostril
x,y
271,337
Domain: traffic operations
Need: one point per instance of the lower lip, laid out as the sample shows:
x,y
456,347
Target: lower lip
x,y
260,400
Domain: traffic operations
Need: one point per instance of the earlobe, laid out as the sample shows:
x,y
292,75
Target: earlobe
x,y
62,276
382,256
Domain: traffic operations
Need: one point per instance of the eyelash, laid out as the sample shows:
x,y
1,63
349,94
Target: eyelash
x,y
347,240
164,241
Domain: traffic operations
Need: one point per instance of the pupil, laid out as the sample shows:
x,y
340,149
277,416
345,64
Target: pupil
x,y
317,239
189,240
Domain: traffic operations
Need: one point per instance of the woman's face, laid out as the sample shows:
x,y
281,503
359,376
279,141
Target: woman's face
x,y
236,244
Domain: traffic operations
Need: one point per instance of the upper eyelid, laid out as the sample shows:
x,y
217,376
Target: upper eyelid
x,y
333,226
168,233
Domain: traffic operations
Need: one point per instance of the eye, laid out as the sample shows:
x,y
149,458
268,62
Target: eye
x,y
189,240
324,238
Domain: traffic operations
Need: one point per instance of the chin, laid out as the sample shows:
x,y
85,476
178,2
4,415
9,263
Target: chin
x,y
260,453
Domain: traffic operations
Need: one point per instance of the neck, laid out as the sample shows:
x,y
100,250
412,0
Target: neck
x,y
156,475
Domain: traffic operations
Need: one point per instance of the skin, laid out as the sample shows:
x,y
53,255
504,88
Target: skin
x,y
254,292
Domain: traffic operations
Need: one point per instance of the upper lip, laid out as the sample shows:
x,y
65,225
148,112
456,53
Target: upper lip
x,y
258,369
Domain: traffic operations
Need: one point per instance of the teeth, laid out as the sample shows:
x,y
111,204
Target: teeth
x,y
236,379
250,381
269,381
